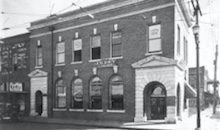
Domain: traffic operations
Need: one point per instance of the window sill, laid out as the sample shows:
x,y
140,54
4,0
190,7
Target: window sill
x,y
115,58
95,60
59,109
116,111
60,64
77,110
78,62
94,110
38,67
153,53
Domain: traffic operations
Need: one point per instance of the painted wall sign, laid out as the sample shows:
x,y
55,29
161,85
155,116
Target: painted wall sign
x,y
105,63
16,87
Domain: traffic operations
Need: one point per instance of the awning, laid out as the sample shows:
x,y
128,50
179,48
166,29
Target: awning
x,y
190,92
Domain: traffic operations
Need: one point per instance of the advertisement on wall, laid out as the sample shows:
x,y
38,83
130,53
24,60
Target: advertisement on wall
x,y
16,87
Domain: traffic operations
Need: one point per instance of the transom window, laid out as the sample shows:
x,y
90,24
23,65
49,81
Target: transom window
x,y
77,94
116,44
95,47
60,53
158,91
116,92
60,94
95,93
154,38
77,50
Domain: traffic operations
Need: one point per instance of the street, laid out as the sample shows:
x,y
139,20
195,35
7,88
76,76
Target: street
x,y
41,126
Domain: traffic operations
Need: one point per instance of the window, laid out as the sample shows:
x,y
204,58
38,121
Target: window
x,y
96,48
39,56
178,40
60,94
154,38
116,44
185,50
77,50
15,62
95,93
60,53
77,94
0,59
116,92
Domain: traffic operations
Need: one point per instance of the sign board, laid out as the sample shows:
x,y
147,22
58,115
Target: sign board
x,y
105,63
16,87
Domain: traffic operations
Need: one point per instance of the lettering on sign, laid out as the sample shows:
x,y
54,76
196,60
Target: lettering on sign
x,y
105,63
16,87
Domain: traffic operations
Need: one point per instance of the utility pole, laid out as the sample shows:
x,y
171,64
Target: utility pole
x,y
215,85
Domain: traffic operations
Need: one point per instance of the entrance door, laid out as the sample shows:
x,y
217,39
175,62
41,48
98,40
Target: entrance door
x,y
158,103
39,102
158,108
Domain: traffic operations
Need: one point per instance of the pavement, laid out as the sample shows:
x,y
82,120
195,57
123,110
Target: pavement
x,y
209,121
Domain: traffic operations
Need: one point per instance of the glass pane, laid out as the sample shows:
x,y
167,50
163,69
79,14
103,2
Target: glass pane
x,y
96,102
61,58
77,56
39,52
39,61
61,101
96,80
77,44
116,79
117,102
155,45
78,92
96,90
60,83
117,89
96,53
116,50
96,41
61,47
116,38
158,91
154,31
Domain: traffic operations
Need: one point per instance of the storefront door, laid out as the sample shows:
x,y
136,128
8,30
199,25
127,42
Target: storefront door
x,y
158,108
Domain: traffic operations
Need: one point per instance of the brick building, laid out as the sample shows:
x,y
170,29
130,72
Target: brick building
x,y
14,70
120,60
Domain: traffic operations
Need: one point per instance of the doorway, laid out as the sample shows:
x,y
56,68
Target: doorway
x,y
38,102
155,101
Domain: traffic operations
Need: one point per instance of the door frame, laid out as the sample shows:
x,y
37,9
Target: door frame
x,y
147,98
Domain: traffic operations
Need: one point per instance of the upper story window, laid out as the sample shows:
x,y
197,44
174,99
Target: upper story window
x,y
185,50
60,53
77,50
95,47
15,62
116,93
178,40
0,59
95,93
39,54
154,38
116,44
60,94
77,94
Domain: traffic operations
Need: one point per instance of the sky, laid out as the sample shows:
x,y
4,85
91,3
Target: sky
x,y
19,13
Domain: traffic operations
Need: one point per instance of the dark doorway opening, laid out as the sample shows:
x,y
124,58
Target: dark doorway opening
x,y
38,102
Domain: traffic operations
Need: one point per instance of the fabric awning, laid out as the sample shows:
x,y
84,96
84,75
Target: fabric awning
x,y
190,92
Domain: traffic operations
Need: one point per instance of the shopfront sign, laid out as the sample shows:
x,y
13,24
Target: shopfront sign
x,y
16,87
105,63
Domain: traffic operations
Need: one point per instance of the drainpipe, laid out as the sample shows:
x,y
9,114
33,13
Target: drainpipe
x,y
51,29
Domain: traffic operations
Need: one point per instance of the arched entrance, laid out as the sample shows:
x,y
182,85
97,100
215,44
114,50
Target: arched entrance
x,y
38,102
155,101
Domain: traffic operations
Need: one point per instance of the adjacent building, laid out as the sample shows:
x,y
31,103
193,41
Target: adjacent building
x,y
123,60
14,69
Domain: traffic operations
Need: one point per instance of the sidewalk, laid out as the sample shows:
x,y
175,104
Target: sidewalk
x,y
208,122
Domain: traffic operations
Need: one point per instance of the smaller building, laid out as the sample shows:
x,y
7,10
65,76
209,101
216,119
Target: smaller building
x,y
14,62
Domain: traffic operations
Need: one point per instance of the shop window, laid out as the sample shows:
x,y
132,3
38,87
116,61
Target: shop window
x,y
96,47
116,92
39,55
154,38
116,44
77,94
60,53
77,50
60,94
95,93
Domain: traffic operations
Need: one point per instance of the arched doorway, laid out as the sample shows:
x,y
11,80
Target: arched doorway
x,y
155,101
38,102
